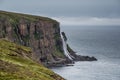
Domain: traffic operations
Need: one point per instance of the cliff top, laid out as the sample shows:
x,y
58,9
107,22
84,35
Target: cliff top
x,y
17,16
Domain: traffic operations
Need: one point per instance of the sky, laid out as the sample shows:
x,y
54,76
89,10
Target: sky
x,y
69,12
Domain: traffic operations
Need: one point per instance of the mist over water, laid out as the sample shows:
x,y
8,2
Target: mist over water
x,y
103,42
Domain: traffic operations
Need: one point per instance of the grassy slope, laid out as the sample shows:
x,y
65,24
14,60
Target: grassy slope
x,y
16,64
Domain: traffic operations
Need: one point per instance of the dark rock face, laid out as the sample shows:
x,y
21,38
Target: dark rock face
x,y
64,36
39,33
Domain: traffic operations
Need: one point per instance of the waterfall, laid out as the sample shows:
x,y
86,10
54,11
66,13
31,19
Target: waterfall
x,y
65,48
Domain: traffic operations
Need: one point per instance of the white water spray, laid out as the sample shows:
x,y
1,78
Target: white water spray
x,y
65,48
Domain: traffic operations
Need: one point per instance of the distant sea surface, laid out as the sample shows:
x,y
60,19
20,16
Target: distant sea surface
x,y
103,42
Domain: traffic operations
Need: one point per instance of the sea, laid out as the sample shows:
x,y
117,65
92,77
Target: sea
x,y
102,42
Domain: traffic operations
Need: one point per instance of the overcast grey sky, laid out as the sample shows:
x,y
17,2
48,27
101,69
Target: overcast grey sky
x,y
67,11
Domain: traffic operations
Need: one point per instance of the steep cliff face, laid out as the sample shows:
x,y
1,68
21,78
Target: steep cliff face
x,y
40,33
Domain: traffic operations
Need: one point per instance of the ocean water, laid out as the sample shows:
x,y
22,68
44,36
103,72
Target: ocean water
x,y
103,42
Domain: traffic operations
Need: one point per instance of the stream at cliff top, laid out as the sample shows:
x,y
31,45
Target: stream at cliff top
x,y
103,42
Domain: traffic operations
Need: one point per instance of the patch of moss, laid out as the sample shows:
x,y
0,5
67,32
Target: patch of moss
x,y
56,36
16,64
59,50
58,53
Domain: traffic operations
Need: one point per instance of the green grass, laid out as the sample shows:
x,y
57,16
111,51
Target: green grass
x,y
15,17
16,64
59,54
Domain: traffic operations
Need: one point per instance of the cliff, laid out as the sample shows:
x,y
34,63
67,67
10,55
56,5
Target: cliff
x,y
42,34
16,63
45,45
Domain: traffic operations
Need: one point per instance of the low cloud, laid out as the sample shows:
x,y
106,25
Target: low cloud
x,y
87,21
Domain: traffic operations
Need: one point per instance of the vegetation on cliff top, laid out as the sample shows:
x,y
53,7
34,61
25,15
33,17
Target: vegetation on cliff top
x,y
16,63
17,16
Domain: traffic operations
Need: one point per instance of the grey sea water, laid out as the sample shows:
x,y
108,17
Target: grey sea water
x,y
103,42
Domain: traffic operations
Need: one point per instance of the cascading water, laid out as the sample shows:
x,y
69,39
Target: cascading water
x,y
65,48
